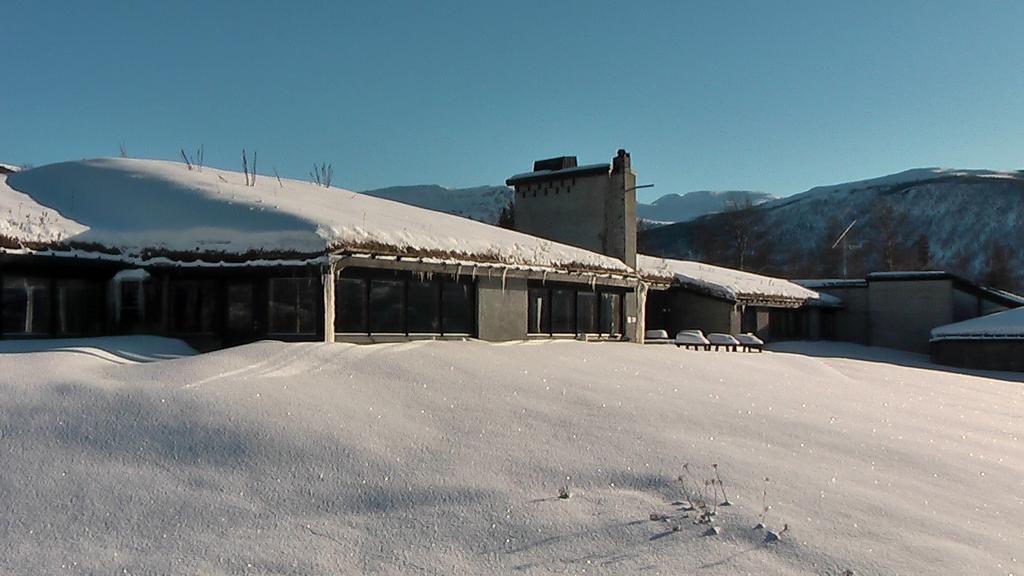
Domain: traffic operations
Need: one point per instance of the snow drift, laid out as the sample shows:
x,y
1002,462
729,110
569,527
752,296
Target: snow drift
x,y
448,457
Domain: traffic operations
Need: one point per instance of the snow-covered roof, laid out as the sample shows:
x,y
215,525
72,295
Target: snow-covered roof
x,y
6,168
138,207
538,175
820,283
723,282
1006,324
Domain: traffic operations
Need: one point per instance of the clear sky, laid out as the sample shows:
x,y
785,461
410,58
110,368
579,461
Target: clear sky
x,y
775,96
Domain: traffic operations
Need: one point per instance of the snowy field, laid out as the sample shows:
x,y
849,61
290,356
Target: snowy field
x,y
448,457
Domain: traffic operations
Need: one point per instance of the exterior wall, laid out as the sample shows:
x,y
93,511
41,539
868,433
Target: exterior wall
x,y
570,211
904,313
852,322
596,212
980,354
501,311
691,311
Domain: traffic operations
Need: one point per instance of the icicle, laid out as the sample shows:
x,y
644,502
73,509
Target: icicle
x,y
503,274
458,270
593,282
544,278
474,273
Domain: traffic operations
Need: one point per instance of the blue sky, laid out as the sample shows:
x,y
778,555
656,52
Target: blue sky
x,y
774,96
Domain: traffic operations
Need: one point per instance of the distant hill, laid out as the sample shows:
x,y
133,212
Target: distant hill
x,y
483,203
684,207
969,222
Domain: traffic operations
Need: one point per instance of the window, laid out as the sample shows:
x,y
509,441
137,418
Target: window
x,y
390,302
611,313
563,311
457,308
350,305
193,305
424,303
586,312
26,305
540,320
293,307
566,310
80,307
239,319
386,306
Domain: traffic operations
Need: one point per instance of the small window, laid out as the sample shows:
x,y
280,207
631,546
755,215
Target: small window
x,y
292,306
26,305
586,313
563,310
350,305
386,304
540,319
457,307
424,306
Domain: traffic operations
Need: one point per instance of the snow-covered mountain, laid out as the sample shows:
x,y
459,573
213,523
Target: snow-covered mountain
x,y
684,207
964,221
483,203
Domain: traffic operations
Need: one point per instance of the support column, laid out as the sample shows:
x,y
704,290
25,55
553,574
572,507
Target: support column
x,y
328,275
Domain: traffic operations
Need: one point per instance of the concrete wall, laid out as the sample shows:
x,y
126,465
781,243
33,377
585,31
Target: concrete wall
x,y
852,322
691,311
980,354
904,313
592,211
501,312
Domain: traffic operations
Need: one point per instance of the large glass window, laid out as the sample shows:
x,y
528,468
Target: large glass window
x,y
293,307
350,305
386,306
563,311
424,304
193,302
79,307
566,310
457,308
240,318
611,313
386,302
586,312
26,305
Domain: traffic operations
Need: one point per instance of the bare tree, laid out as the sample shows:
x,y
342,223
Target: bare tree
x,y
124,153
739,223
250,175
322,174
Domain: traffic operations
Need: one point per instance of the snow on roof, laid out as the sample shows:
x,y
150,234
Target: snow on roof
x,y
146,206
5,168
820,283
723,282
561,173
1005,324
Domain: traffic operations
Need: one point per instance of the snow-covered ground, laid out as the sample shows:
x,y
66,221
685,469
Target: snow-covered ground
x,y
448,457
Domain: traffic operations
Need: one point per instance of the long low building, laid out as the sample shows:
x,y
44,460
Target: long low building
x,y
993,342
684,295
217,258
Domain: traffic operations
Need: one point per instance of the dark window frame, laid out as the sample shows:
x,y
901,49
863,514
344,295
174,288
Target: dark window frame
x,y
442,282
547,327
316,314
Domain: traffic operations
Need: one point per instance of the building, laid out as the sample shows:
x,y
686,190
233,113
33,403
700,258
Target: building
x,y
900,309
993,342
685,295
117,246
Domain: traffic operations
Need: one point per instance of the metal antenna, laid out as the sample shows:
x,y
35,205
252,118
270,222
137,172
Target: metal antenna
x,y
842,238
